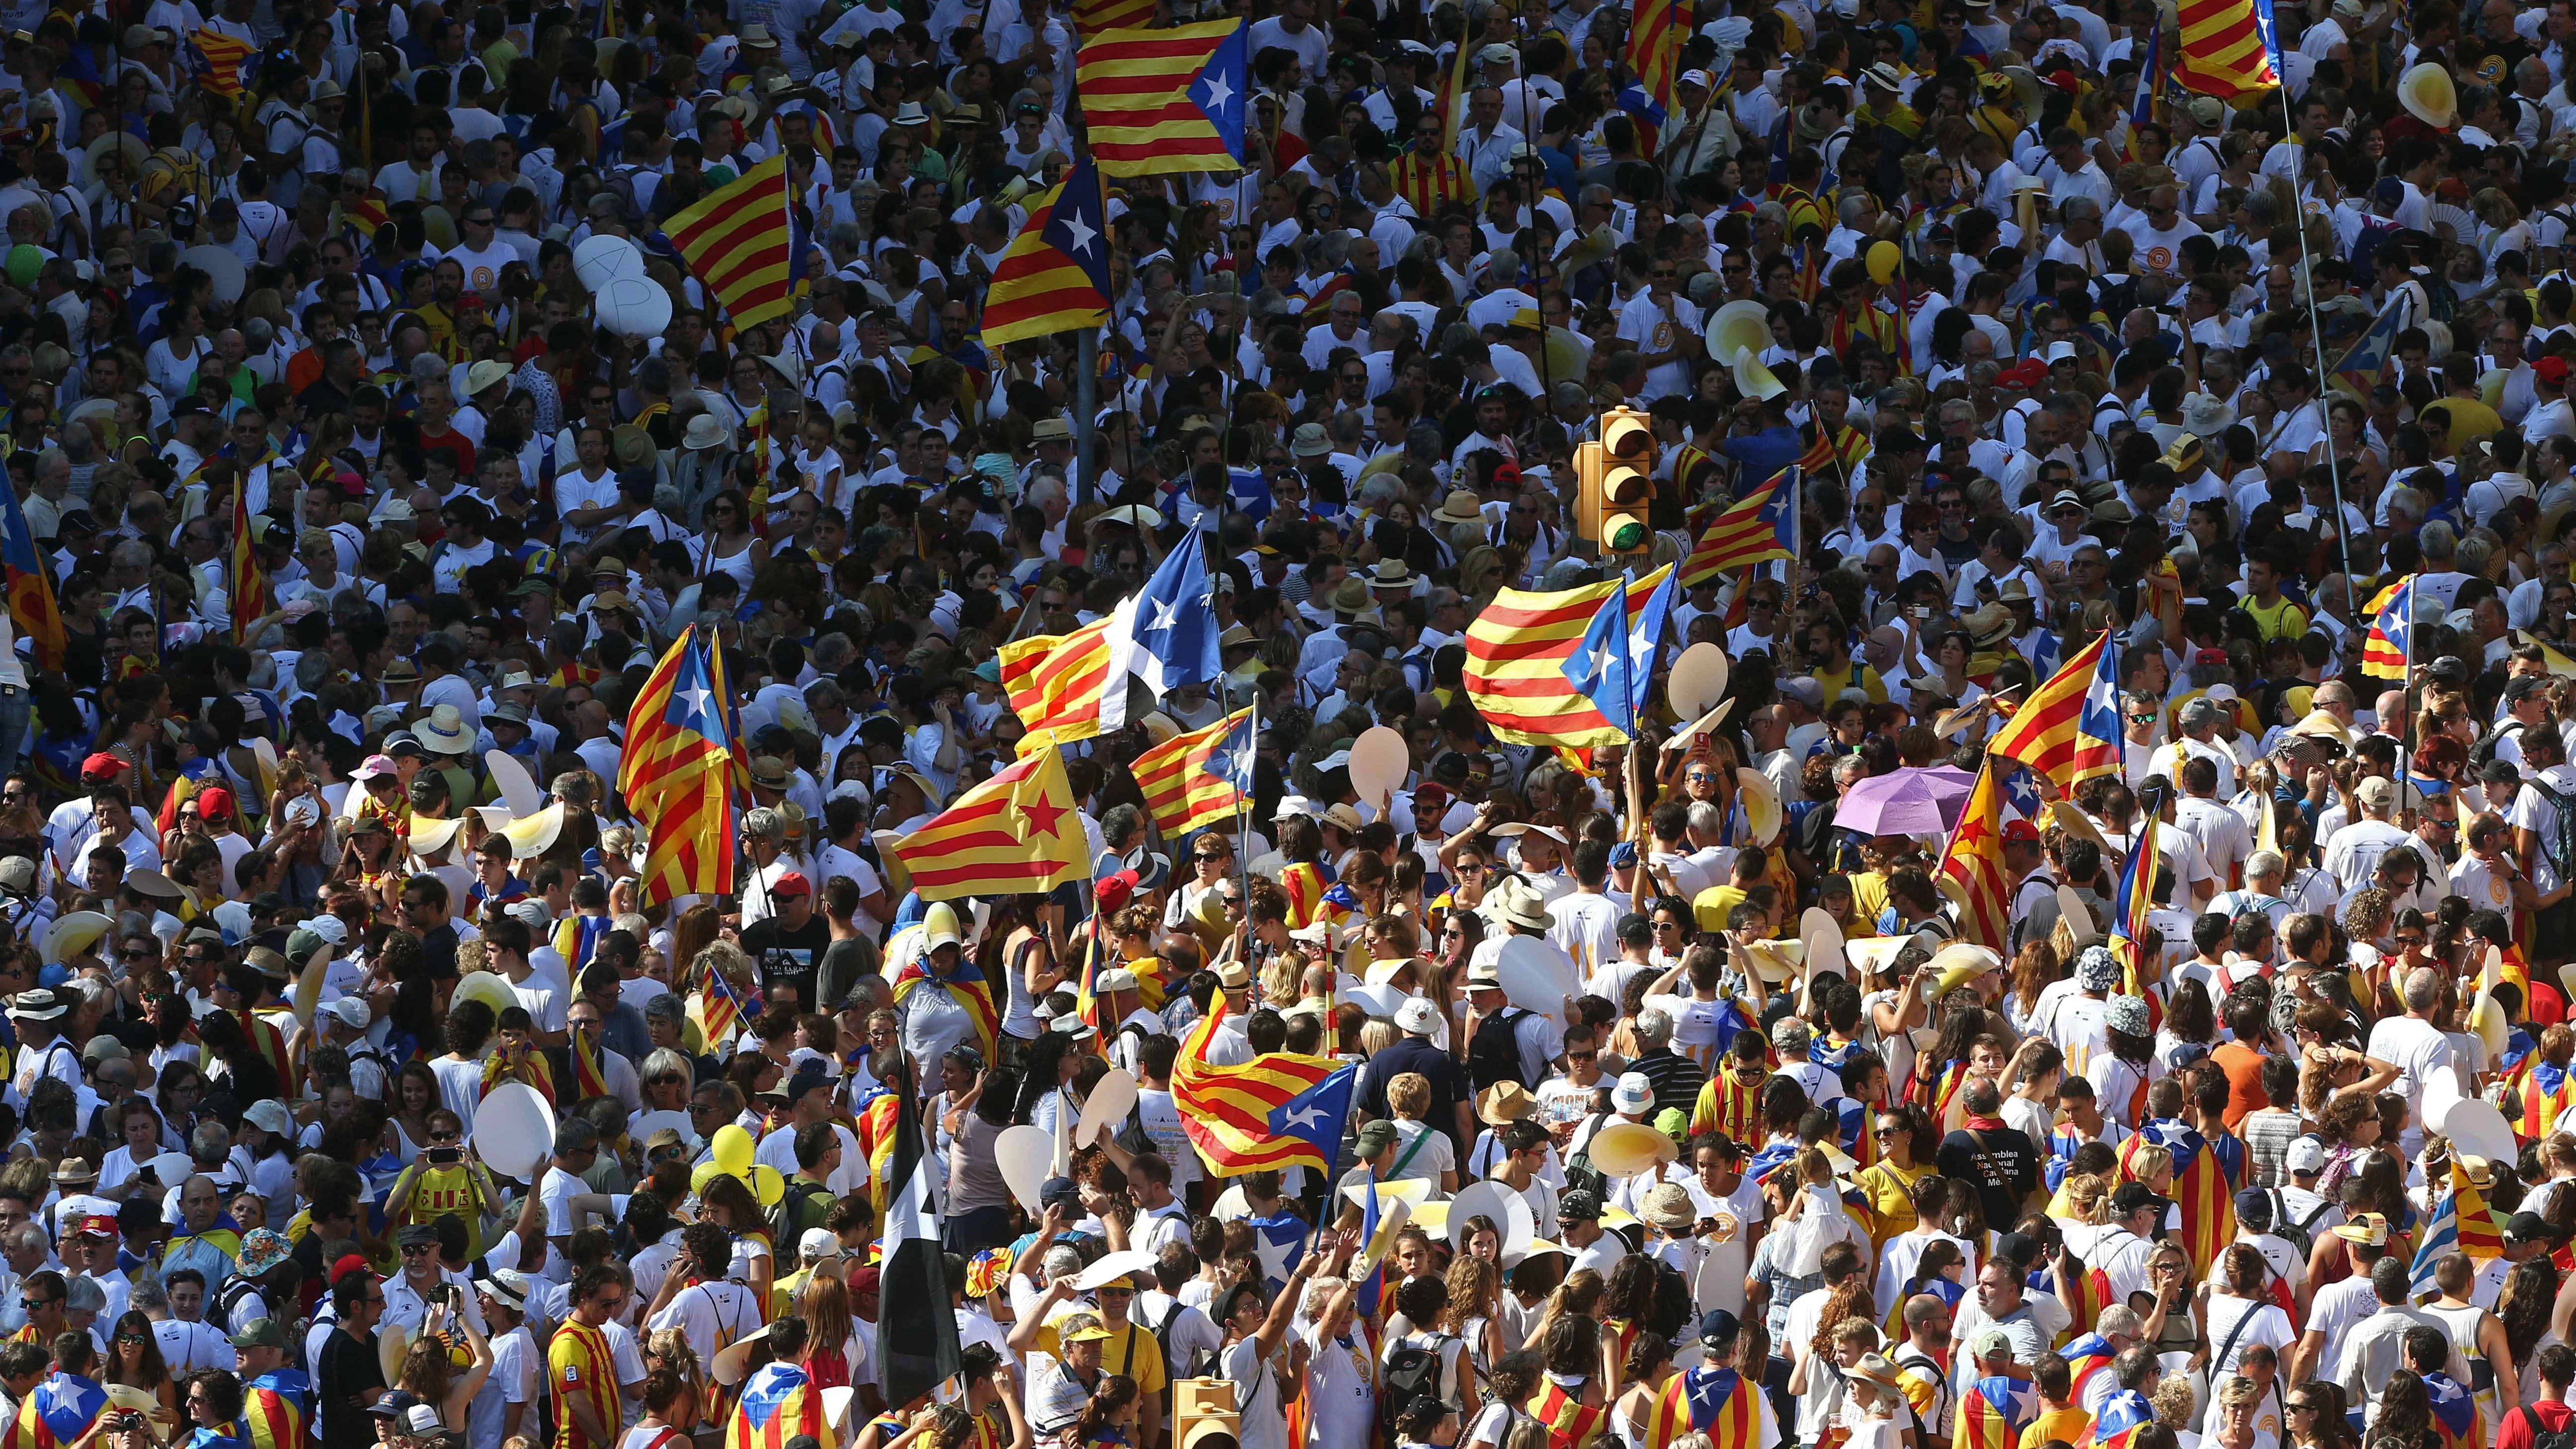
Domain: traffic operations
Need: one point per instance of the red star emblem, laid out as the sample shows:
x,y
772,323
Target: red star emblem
x,y
1040,814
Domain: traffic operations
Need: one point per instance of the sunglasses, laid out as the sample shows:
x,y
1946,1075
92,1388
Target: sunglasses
x,y
1582,1056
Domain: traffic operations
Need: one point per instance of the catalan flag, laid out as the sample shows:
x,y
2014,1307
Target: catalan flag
x,y
1648,96
738,242
2228,48
2089,1354
366,213
1974,862
1731,1101
1428,178
2392,631
1092,17
1054,277
1531,674
2455,1412
1015,834
1718,1402
875,1129
2538,1094
1201,777
223,55
1759,527
56,1412
1277,1110
779,1402
2132,898
1570,1422
250,598
1838,454
2204,1186
2116,1424
2049,732
273,1409
1160,101
677,772
31,584
1991,1414
1058,685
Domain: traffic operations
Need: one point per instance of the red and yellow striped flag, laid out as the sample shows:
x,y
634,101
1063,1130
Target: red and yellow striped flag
x,y
1570,1422
1170,100
1015,834
2225,50
2042,733
1055,683
1974,862
224,55
677,772
250,598
2392,627
1180,790
1241,1118
1991,1414
1054,277
736,241
1720,1403
1091,17
1756,528
1518,650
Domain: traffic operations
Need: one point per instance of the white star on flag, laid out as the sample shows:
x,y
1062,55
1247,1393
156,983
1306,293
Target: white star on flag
x,y
1166,614
1218,93
697,701
1081,231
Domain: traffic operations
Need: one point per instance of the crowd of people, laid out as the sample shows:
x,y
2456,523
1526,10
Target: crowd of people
x,y
345,534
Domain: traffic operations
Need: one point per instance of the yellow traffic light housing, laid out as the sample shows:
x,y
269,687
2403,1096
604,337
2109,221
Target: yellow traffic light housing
x,y
1204,1415
1614,483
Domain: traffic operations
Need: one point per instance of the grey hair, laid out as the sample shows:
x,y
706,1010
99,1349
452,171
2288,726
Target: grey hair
x,y
663,1061
1706,817
1654,1025
2423,988
765,823
211,1142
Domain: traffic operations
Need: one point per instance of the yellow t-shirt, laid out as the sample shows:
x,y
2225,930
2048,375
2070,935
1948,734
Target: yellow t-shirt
x,y
2066,1424
2284,620
1710,907
1130,1350
1889,1190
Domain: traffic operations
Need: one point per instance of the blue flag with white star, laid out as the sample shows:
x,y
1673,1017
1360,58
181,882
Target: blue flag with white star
x,y
1598,668
1175,631
1232,759
1317,1114
1646,638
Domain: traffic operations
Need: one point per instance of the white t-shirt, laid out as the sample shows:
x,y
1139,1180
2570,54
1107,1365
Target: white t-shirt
x,y
2417,1049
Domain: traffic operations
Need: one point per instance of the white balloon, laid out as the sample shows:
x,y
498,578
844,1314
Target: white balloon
x,y
634,307
514,1129
603,259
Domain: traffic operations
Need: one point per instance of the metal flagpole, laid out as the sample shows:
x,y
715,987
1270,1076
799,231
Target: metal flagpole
x,y
2316,329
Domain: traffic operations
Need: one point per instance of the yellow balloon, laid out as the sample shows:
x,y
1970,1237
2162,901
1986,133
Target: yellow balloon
x,y
1883,260
766,1185
701,1175
732,1150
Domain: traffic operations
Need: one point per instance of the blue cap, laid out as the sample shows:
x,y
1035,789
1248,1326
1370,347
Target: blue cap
x,y
1718,1328
2389,192
1623,855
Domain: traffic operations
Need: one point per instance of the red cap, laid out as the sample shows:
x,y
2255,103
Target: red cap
x,y
215,800
100,1226
2210,656
2551,370
2021,831
102,766
2025,374
1113,891
350,1263
792,884
864,1279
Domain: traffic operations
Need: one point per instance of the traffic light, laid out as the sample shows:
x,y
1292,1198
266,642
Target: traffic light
x,y
1203,1414
1615,480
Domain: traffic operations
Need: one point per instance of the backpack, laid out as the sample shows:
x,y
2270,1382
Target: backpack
x,y
2544,1438
1200,1365
2297,1234
1494,1052
799,1210
2485,748
1412,1371
2559,845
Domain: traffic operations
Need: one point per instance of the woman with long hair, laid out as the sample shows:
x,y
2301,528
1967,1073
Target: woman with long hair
x,y
1110,1417
831,1339
2316,1417
727,1202
2405,1415
134,1360
415,1096
2239,1312
1644,1371
2034,970
2523,1307
2190,1029
428,1371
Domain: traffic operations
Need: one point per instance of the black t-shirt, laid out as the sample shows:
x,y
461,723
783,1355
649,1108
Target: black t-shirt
x,y
1999,1160
346,1381
789,957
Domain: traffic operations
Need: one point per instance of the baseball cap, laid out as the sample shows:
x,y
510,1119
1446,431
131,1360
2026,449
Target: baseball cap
x,y
2131,1197
1718,1327
261,1333
819,1243
793,883
2306,1155
2531,1228
2551,370
101,767
394,1405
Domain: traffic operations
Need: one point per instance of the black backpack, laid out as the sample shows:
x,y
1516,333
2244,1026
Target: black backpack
x,y
2485,747
803,1206
1494,1053
2544,1438
1412,1371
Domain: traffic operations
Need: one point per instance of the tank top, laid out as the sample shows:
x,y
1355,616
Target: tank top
x,y
2460,1325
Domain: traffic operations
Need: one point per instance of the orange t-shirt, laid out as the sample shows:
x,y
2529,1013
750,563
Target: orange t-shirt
x,y
2244,1068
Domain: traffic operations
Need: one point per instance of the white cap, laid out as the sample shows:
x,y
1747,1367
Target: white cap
x,y
2061,352
531,913
1417,1017
1634,1094
817,1244
352,1012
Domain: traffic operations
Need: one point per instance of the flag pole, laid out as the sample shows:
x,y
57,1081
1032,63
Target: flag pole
x,y
2316,329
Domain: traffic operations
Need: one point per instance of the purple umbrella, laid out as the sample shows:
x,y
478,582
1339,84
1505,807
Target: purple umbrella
x,y
1906,802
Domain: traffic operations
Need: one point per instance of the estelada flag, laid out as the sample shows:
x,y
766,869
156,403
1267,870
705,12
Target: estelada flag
x,y
1570,1422
779,1402
1278,1110
2392,628
2116,1424
739,242
250,598
677,772
1716,1402
56,1412
1991,1414
1015,834
223,55
31,584
2044,733
1522,672
1054,276
2204,1184
1166,100
1183,789
2228,48
1756,529
1974,862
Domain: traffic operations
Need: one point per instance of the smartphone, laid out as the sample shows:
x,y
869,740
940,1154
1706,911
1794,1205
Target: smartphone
x,y
444,1156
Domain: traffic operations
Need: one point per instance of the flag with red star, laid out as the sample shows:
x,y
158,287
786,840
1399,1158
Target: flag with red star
x,y
1015,834
1972,868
